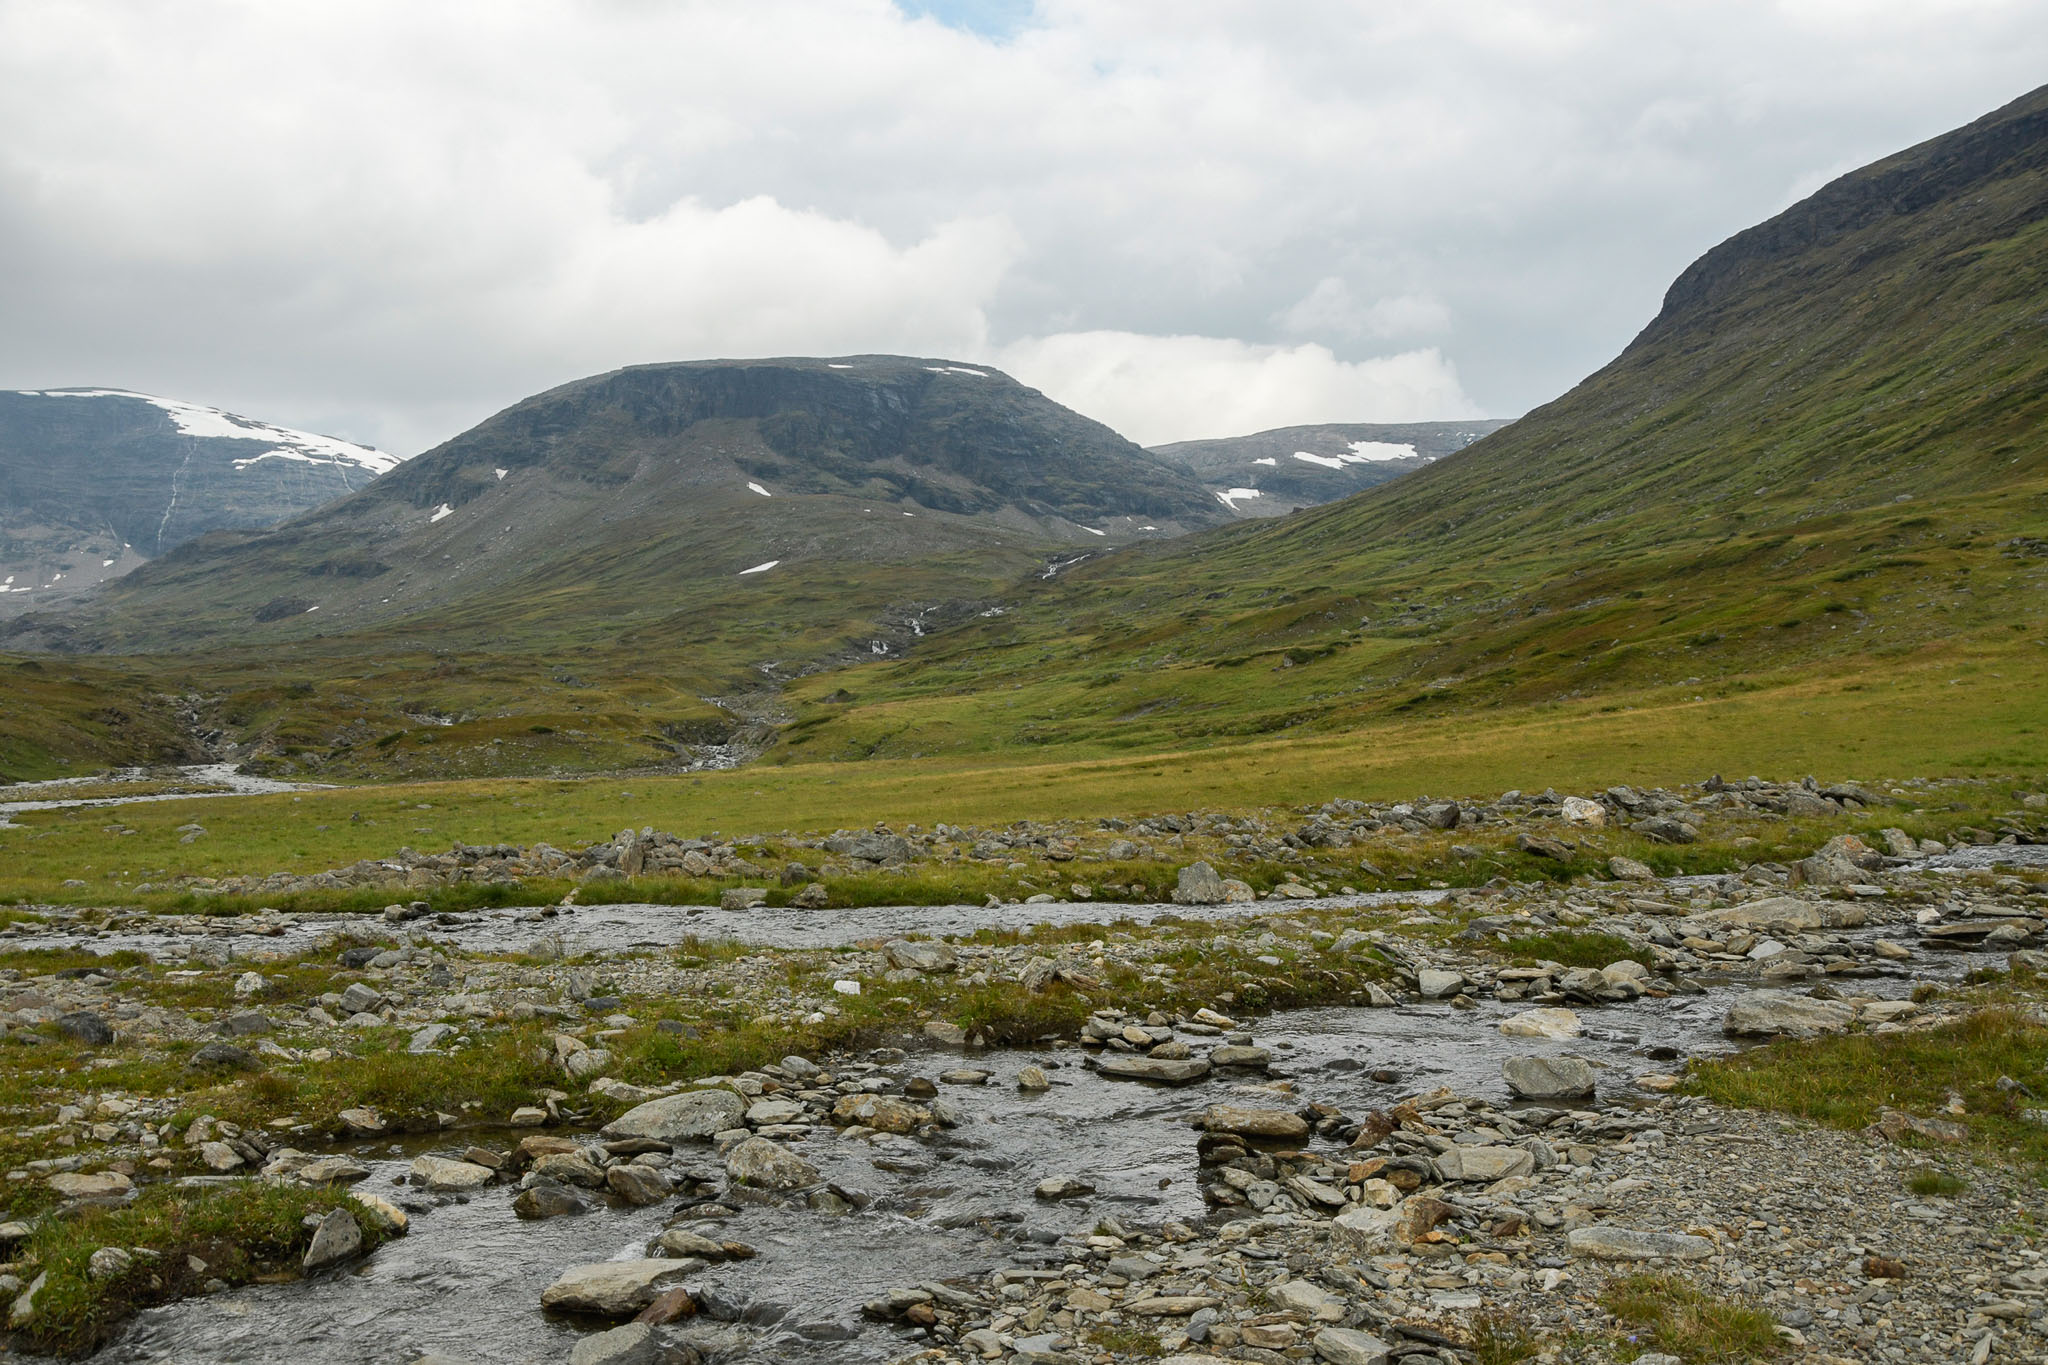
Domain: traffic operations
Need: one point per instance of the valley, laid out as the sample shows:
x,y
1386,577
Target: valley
x,y
847,858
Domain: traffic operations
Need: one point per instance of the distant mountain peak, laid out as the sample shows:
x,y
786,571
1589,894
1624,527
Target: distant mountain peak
x,y
193,419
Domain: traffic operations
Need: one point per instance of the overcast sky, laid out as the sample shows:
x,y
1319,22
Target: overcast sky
x,y
1187,218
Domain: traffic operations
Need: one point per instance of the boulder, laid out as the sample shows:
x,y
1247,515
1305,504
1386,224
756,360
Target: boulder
x,y
1168,1071
1546,1023
884,1113
1577,810
1548,1078
1257,1123
921,957
1198,884
1666,830
1436,985
637,1343
1349,1346
768,1165
1484,1164
742,897
86,1027
614,1289
222,1057
637,1185
1062,1187
94,1185
548,1200
1841,860
337,1239
444,1176
1628,1244
1536,846
1781,1014
675,1118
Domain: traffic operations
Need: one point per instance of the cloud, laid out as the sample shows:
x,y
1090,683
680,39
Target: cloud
x,y
386,219
1182,388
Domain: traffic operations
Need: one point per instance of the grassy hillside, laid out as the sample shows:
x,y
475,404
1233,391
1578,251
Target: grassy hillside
x,y
1824,458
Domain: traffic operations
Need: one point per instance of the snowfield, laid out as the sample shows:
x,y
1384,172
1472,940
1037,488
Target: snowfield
x,y
193,420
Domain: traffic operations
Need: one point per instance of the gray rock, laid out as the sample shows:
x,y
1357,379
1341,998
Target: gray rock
x,y
1436,985
1666,830
1348,1346
1241,1056
1198,884
223,1057
614,1289
360,999
742,897
247,1024
921,957
1177,1071
1630,1244
637,1185
1063,1187
769,1166
1781,1014
337,1239
429,1038
637,1343
1548,1078
549,1200
444,1176
109,1262
676,1118
86,1027
1482,1164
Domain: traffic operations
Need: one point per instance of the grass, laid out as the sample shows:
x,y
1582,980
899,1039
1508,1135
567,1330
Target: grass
x,y
1843,1082
239,1231
1574,949
1701,1327
1930,1184
1499,1338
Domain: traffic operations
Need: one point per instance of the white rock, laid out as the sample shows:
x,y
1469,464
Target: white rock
x,y
1546,1023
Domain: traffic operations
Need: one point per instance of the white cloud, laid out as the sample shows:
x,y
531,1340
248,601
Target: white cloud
x,y
384,220
1160,389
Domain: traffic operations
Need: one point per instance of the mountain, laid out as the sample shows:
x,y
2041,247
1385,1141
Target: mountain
x,y
1272,473
602,574
1822,459
94,482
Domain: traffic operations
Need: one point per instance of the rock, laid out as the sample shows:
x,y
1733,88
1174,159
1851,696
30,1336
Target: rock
x,y
1537,846
1364,1229
637,1343
1602,1243
675,1118
222,1057
637,1185
1348,1346
1169,1306
86,1027
921,957
1769,1014
381,1215
1778,914
1629,870
742,897
247,1024
1198,884
23,1311
814,896
1256,1123
361,1122
587,1064
670,1305
527,1116
1577,810
360,999
568,1168
1436,984
1033,1078
945,1034
219,1157
1309,1299
1838,862
444,1176
1256,1057
875,846
430,1037
337,1239
1169,1071
1063,1187
1666,830
1545,1023
884,1113
249,983
1484,1164
549,1200
96,1185
1893,1126
109,1262
1548,1078
330,1170
768,1165
613,1289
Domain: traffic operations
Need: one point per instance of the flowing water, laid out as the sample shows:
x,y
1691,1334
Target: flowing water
x,y
220,779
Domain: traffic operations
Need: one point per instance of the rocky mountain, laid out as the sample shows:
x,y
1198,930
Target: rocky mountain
x,y
1821,462
775,497
1271,473
94,482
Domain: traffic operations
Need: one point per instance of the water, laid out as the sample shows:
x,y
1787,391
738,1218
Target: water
x,y
467,1280
222,779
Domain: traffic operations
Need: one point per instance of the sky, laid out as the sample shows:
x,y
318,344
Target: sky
x,y
386,219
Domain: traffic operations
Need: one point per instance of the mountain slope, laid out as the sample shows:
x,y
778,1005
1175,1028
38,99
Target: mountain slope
x,y
1825,451
1271,473
94,482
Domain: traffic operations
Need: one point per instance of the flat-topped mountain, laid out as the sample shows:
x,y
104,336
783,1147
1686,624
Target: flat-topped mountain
x,y
94,482
1271,473
680,493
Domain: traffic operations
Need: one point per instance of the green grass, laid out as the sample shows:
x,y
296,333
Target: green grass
x,y
1699,1326
239,1231
1574,949
1843,1082
1929,1184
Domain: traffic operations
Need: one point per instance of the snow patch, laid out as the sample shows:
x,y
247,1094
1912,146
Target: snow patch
x,y
957,369
835,365
762,491
106,563
760,568
993,611
501,473
315,607
1326,461
1379,452
444,510
1230,497
1267,460
193,420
